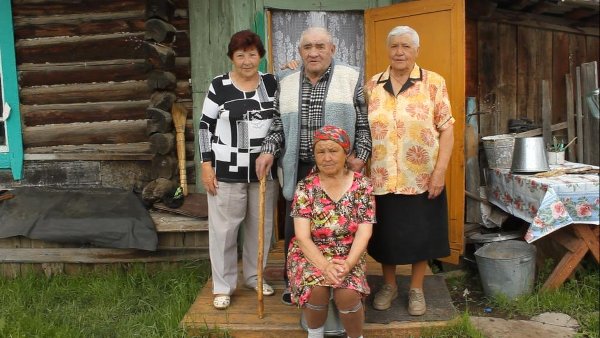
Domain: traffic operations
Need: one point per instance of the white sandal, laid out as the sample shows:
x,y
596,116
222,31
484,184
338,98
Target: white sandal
x,y
221,302
267,289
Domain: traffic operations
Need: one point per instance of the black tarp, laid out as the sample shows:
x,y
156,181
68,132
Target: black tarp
x,y
100,217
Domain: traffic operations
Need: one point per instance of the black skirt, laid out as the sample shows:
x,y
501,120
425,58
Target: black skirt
x,y
409,229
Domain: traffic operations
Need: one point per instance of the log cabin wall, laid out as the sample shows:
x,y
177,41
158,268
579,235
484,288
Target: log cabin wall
x,y
84,69
509,53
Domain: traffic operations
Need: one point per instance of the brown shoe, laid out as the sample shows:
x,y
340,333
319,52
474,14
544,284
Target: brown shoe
x,y
416,302
385,296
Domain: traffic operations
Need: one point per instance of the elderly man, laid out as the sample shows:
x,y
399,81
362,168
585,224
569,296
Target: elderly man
x,y
321,92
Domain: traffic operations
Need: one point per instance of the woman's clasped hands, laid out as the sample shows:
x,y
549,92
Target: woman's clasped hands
x,y
336,271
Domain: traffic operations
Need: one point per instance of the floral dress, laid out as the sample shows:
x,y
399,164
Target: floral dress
x,y
333,226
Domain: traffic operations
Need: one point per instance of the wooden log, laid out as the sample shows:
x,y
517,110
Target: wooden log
x,y
36,8
78,24
42,114
162,9
90,152
159,30
159,121
93,71
89,92
157,189
161,80
88,133
162,100
163,166
162,143
160,56
95,92
89,48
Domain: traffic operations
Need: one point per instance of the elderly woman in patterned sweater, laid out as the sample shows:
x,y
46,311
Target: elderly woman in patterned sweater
x,y
333,211
237,113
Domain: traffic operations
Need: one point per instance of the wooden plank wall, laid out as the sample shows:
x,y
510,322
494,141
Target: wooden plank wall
x,y
512,61
83,69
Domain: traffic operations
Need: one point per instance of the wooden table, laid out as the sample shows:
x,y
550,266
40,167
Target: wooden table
x,y
565,208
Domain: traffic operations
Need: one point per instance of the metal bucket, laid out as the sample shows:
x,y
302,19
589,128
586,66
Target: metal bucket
x,y
499,150
506,268
333,324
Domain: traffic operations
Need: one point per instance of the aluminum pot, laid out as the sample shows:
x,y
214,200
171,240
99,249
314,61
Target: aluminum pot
x,y
529,155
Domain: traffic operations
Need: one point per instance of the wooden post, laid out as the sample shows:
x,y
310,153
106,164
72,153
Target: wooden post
x,y
578,109
546,112
472,179
571,152
261,241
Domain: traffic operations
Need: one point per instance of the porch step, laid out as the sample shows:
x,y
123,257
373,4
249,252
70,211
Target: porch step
x,y
279,320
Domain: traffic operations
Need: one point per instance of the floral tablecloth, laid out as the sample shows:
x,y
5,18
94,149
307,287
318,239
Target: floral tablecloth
x,y
548,203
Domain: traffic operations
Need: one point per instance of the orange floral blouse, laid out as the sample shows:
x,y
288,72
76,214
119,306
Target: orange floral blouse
x,y
405,130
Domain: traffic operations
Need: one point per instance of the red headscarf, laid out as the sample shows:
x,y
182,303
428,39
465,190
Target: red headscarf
x,y
333,133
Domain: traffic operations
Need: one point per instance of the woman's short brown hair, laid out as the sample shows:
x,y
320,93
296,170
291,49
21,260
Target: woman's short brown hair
x,y
243,40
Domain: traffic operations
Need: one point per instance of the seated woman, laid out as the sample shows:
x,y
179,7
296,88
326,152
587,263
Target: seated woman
x,y
334,212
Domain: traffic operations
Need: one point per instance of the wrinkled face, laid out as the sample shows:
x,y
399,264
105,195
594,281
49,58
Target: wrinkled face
x,y
330,157
317,52
245,62
402,53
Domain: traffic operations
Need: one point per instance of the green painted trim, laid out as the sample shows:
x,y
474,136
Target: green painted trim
x,y
10,87
259,28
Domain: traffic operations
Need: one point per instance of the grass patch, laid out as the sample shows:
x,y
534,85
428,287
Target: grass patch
x,y
578,297
132,302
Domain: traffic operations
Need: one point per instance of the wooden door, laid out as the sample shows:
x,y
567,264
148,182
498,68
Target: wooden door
x,y
441,28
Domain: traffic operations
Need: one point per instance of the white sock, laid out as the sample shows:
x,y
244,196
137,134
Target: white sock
x,y
316,333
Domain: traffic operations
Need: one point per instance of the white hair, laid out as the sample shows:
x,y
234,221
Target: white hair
x,y
316,29
404,30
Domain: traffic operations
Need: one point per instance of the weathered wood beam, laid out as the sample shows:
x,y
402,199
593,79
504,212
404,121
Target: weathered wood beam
x,y
85,133
91,48
41,114
91,152
541,21
168,222
79,24
99,255
162,143
95,92
161,9
159,121
118,70
163,166
158,30
36,8
161,80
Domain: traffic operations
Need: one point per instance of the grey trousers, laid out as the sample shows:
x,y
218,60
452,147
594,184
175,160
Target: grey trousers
x,y
235,205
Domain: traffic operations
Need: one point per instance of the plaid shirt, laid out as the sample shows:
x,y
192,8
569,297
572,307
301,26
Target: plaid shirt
x,y
311,119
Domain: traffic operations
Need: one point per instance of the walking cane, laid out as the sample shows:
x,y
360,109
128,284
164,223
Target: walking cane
x,y
261,241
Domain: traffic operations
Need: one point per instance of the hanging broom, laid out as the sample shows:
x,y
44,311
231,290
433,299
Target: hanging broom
x,y
179,114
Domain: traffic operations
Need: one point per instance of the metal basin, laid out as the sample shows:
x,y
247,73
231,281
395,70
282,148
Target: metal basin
x,y
529,155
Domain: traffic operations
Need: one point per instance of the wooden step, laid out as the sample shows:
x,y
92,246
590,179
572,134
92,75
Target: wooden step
x,y
279,320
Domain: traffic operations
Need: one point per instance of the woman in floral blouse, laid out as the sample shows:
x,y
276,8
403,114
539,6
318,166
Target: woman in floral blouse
x,y
334,212
412,132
